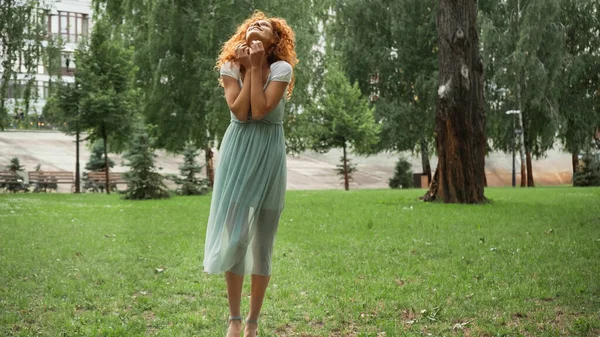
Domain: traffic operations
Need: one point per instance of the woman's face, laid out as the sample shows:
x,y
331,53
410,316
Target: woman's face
x,y
261,30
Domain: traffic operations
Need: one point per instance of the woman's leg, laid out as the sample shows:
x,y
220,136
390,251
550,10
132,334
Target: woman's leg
x,y
262,251
234,296
257,295
237,228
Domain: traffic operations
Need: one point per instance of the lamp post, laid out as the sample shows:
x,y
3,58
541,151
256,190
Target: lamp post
x,y
514,135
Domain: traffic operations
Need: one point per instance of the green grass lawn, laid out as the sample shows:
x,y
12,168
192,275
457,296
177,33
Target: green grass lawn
x,y
359,263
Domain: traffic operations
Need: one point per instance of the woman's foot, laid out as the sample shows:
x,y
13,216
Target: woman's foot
x,y
235,326
251,329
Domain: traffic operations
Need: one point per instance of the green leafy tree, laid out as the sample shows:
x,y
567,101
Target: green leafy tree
x,y
390,48
143,182
63,109
176,45
523,51
22,30
105,75
579,80
341,118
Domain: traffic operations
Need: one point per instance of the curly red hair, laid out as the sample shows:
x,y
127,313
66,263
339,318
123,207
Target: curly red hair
x,y
284,49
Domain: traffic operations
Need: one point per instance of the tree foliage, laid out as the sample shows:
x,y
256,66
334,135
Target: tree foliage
x,y
104,76
523,52
340,118
580,77
390,48
22,30
176,46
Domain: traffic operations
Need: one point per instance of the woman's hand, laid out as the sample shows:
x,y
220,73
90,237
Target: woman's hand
x,y
242,54
257,54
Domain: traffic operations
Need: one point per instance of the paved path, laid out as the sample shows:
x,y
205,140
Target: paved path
x,y
309,171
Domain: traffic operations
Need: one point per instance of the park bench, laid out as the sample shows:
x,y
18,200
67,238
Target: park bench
x,y
49,180
12,182
96,181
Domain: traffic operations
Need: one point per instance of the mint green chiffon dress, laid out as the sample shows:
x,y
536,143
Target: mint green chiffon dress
x,y
249,190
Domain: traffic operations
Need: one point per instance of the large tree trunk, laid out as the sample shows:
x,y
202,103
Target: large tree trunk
x,y
106,168
77,179
460,116
346,180
210,169
426,164
523,171
530,182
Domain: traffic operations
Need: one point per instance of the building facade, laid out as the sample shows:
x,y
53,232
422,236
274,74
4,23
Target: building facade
x,y
69,19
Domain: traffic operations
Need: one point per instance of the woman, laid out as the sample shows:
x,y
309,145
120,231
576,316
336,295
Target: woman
x,y
256,67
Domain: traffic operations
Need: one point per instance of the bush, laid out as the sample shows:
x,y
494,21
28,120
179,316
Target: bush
x,y
589,172
403,176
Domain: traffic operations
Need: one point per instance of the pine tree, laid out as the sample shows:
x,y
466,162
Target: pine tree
x,y
97,162
346,169
18,184
403,176
189,183
15,166
143,182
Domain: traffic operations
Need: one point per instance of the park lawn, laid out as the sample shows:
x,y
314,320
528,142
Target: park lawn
x,y
358,263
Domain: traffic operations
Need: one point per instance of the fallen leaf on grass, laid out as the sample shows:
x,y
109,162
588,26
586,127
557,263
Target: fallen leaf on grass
x,y
460,326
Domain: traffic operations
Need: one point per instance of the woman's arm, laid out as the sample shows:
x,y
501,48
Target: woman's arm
x,y
238,99
262,102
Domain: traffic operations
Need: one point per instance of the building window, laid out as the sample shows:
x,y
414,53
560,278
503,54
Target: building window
x,y
15,89
45,90
70,26
20,65
67,64
41,69
67,61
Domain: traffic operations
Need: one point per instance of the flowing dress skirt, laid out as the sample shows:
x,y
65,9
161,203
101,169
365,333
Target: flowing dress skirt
x,y
248,198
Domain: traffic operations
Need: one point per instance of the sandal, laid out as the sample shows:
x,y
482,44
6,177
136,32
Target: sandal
x,y
251,329
231,332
